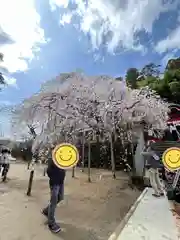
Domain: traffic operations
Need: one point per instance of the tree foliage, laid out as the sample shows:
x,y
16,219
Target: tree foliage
x,y
132,77
74,107
74,102
150,70
167,85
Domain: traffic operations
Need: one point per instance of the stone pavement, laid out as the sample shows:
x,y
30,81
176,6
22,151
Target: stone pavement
x,y
150,219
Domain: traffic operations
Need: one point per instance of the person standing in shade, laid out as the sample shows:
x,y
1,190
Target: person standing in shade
x,y
56,184
153,164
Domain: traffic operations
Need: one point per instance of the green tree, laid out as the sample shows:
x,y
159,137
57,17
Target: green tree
x,y
168,87
132,75
119,78
171,82
150,70
173,64
148,81
149,76
175,90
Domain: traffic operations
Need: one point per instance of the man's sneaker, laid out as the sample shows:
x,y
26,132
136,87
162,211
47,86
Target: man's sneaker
x,y
55,228
156,195
44,212
4,179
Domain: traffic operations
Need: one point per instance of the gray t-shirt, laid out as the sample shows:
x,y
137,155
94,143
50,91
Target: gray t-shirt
x,y
152,159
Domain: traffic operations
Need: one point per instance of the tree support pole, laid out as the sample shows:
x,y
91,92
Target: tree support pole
x,y
31,176
44,171
73,172
30,182
112,157
83,145
89,161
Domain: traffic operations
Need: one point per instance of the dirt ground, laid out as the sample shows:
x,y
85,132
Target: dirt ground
x,y
90,211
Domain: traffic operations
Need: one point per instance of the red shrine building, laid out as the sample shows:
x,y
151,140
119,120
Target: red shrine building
x,y
173,131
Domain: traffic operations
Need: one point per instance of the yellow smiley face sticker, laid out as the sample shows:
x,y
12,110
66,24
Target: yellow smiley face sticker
x,y
171,159
65,156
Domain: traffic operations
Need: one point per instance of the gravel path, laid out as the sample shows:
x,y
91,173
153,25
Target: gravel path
x,y
90,211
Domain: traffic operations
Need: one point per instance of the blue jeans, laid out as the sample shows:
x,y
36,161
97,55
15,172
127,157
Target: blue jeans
x,y
57,195
5,170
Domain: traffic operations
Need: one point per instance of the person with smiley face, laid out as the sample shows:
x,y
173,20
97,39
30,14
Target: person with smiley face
x,y
153,163
56,183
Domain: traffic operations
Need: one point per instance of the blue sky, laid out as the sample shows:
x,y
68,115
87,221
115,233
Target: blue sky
x,y
48,37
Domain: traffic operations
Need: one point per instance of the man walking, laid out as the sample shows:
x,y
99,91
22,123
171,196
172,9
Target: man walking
x,y
153,163
56,184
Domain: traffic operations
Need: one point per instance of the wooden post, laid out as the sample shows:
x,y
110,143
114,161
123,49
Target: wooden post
x,y
44,171
83,146
112,157
29,163
30,182
89,161
31,176
73,172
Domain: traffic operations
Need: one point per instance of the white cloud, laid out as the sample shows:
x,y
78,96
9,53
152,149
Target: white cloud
x,y
4,37
56,3
167,57
171,42
115,23
66,18
10,81
5,102
19,19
